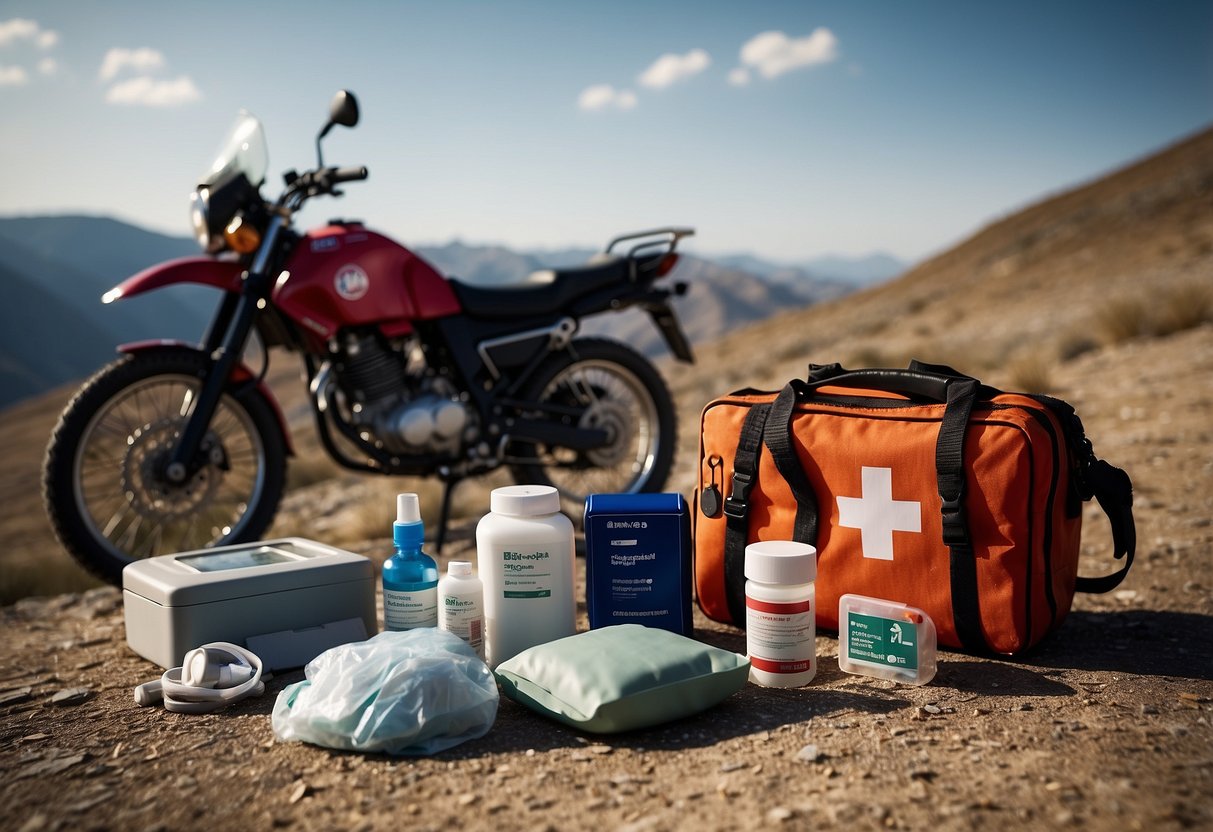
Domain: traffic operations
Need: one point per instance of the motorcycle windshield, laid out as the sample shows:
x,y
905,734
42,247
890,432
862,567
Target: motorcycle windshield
x,y
242,151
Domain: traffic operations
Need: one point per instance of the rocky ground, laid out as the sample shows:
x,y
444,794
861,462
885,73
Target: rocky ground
x,y
1105,726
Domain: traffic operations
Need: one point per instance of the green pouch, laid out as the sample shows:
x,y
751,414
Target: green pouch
x,y
621,678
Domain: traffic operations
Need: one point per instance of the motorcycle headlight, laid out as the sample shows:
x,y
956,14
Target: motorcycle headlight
x,y
200,216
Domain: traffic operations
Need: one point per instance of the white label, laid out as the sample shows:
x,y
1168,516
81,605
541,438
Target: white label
x,y
408,610
780,637
466,620
526,573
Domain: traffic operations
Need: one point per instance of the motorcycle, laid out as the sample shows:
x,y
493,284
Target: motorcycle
x,y
177,446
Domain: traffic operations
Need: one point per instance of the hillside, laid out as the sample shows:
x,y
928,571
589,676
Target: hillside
x,y
59,267
1120,257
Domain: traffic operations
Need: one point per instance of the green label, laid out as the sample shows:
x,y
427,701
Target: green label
x,y
886,641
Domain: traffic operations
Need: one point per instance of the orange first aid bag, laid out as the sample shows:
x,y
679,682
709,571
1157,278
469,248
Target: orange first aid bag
x,y
921,486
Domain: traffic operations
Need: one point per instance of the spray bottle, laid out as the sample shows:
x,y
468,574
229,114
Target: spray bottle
x,y
410,577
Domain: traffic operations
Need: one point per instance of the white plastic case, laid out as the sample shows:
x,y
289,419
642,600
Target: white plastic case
x,y
885,639
295,597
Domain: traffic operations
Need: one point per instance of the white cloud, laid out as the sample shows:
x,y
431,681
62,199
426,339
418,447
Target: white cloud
x,y
739,76
149,92
605,97
670,68
21,28
48,66
13,76
17,29
143,59
771,54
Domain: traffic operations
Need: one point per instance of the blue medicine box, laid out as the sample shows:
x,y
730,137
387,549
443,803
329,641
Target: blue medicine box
x,y
638,561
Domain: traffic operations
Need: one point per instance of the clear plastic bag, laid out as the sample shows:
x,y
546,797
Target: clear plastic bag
x,y
413,692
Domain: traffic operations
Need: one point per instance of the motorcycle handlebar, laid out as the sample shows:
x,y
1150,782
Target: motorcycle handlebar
x,y
301,187
351,174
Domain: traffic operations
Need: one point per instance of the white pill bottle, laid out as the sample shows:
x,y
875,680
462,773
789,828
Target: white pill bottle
x,y
780,613
461,605
525,557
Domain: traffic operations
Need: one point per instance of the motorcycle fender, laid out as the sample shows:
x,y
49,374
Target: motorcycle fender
x,y
222,274
667,324
239,373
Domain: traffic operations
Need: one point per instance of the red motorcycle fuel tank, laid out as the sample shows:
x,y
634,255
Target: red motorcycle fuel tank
x,y
345,275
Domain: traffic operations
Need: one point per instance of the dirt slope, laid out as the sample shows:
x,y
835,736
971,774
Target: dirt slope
x,y
1106,726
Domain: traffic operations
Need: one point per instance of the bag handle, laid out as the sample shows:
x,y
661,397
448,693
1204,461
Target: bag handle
x,y
906,382
921,380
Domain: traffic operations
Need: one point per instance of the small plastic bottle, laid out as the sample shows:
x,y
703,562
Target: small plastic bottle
x,y
461,605
780,615
410,577
524,550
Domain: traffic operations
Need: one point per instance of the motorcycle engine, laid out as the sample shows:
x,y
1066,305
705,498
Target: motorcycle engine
x,y
398,401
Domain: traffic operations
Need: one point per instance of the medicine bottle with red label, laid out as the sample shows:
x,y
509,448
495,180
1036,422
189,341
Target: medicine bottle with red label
x,y
781,609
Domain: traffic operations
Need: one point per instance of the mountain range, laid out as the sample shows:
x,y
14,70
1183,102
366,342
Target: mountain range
x,y
55,329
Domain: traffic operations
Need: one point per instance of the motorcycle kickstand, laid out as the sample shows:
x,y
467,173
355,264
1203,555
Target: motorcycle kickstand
x,y
449,482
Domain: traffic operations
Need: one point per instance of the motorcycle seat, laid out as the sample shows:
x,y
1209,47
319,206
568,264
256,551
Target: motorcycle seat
x,y
543,292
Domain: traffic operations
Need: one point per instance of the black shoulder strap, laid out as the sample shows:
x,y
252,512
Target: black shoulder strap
x,y
737,509
1114,491
1106,483
949,470
778,439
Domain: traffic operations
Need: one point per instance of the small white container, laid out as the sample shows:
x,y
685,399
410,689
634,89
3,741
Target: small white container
x,y
885,639
781,610
525,557
461,605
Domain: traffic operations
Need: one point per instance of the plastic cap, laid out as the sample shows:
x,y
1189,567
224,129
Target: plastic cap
x,y
525,500
459,569
781,562
408,508
408,531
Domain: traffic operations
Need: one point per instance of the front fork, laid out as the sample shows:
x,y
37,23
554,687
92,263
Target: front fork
x,y
225,344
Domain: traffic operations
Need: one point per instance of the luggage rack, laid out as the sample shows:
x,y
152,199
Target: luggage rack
x,y
667,237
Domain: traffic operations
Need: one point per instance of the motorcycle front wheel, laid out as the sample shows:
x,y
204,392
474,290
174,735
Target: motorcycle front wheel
x,y
602,384
103,482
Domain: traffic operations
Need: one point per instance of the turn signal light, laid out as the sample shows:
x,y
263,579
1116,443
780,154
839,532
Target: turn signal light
x,y
241,236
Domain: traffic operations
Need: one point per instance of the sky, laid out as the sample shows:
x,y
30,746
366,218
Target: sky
x,y
788,130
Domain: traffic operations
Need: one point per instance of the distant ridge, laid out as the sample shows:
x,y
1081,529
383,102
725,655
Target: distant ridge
x,y
59,266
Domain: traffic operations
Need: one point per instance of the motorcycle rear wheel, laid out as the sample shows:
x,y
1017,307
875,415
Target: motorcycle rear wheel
x,y
103,487
616,389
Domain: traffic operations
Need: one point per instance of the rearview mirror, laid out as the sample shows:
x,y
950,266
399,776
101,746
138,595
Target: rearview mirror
x,y
344,109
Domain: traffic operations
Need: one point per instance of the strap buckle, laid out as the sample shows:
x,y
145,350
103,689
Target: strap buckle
x,y
737,504
955,522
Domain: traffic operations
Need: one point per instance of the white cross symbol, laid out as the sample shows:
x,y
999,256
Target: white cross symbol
x,y
877,515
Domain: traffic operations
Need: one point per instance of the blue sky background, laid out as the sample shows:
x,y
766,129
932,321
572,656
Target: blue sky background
x,y
922,123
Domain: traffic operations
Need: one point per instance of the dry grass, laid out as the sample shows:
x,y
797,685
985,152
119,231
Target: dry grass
x,y
1166,311
309,469
1184,306
1075,343
51,576
1031,373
